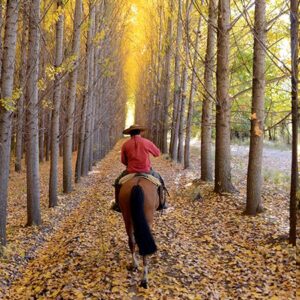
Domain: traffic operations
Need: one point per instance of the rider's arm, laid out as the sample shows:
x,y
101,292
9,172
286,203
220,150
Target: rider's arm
x,y
124,157
153,149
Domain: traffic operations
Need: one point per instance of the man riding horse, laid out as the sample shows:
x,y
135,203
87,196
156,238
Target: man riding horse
x,y
135,156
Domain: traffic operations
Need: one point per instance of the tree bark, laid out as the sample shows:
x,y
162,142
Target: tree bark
x,y
32,113
294,16
177,87
71,98
191,100
81,141
41,133
206,120
254,176
86,160
22,79
48,136
1,29
55,137
7,78
166,81
181,113
223,157
184,79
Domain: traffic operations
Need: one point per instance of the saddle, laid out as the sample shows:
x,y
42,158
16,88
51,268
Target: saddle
x,y
160,189
143,175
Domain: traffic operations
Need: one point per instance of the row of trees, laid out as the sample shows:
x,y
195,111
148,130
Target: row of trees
x,y
62,84
228,63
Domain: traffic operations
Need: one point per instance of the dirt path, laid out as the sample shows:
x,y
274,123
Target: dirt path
x,y
207,249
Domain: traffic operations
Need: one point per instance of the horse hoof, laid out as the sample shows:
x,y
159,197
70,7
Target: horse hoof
x,y
144,284
132,268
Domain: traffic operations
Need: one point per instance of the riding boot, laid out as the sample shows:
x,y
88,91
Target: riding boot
x,y
162,198
115,205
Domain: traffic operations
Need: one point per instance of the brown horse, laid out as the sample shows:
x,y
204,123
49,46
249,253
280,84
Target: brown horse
x,y
138,201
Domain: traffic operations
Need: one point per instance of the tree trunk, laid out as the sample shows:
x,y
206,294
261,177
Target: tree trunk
x,y
177,88
89,96
254,176
41,133
223,158
184,78
166,81
56,110
92,86
7,78
1,30
48,136
294,15
191,100
22,79
181,113
81,140
71,98
206,127
32,120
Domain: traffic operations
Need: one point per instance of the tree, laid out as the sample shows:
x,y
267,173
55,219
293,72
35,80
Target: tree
x,y
166,80
71,98
89,97
206,127
294,16
191,98
254,176
184,86
6,107
32,112
55,137
222,155
22,80
177,87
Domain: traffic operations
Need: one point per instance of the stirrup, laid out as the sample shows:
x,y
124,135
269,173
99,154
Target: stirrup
x,y
115,206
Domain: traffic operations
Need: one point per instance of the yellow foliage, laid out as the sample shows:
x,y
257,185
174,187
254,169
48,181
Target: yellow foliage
x,y
9,103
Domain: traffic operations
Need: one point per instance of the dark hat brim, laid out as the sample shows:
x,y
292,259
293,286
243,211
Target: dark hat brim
x,y
133,127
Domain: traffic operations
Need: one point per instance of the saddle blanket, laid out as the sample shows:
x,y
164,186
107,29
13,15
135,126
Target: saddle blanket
x,y
149,177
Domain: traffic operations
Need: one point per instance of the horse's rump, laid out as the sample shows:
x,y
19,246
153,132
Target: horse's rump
x,y
138,201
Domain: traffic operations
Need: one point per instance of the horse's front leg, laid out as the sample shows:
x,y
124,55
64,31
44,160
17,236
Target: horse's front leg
x,y
131,242
144,282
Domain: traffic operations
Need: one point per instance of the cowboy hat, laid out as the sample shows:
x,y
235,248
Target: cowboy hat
x,y
134,127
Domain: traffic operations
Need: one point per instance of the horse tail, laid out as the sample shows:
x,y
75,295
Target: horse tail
x,y
142,232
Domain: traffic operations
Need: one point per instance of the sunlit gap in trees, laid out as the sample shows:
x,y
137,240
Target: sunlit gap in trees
x,y
130,111
134,46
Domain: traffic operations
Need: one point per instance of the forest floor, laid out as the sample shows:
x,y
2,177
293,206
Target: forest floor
x,y
206,249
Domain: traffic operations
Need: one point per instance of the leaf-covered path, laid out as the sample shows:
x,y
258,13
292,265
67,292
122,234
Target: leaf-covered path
x,y
207,249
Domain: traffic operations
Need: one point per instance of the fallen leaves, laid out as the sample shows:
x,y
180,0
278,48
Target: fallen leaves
x,y
207,249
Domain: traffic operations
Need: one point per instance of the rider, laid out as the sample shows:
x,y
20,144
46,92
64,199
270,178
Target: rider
x,y
135,156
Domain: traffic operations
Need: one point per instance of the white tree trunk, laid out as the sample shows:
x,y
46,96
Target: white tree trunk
x,y
7,78
177,87
55,137
191,99
206,120
32,118
22,80
71,99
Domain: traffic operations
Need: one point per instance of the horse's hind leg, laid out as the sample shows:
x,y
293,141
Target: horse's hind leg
x,y
144,282
131,242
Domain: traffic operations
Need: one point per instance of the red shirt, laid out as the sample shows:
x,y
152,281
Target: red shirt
x,y
135,154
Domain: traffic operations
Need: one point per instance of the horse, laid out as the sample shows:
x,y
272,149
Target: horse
x,y
138,200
